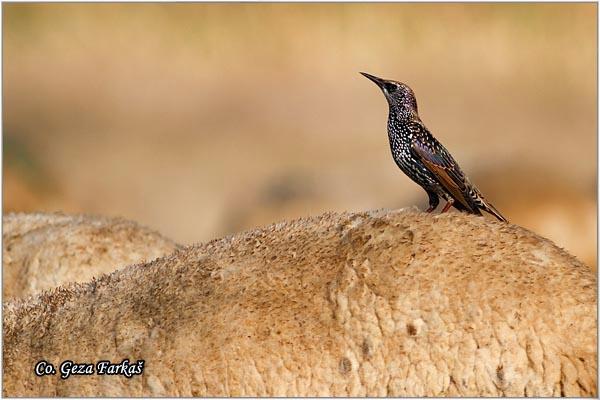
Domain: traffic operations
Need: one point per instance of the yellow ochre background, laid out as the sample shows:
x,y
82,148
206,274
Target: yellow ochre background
x,y
201,120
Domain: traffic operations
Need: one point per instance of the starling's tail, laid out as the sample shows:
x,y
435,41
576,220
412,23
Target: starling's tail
x,y
492,210
481,203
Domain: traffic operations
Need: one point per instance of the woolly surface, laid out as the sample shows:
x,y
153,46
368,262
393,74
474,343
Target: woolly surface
x,y
42,251
377,303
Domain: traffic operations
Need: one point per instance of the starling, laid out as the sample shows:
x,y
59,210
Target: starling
x,y
420,156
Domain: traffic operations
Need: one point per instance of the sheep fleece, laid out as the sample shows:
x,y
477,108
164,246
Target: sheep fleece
x,y
376,303
41,251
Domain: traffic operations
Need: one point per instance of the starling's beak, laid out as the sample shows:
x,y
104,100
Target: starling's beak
x,y
378,81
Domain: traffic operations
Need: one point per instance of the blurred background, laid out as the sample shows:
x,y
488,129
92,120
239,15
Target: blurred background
x,y
201,120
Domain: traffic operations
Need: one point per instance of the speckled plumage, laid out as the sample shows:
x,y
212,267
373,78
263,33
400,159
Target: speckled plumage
x,y
423,158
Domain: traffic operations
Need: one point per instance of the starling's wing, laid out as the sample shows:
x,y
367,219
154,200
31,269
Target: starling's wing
x,y
441,164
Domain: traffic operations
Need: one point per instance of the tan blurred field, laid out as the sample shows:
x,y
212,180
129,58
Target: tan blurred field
x,y
201,120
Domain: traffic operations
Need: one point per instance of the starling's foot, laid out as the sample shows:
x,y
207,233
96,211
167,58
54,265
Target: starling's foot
x,y
434,200
448,205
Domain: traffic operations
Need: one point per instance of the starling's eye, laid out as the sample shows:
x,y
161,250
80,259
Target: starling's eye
x,y
391,87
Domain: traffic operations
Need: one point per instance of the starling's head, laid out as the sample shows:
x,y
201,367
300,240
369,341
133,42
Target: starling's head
x,y
399,96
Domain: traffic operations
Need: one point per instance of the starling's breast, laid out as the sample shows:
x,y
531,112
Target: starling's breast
x,y
400,138
400,144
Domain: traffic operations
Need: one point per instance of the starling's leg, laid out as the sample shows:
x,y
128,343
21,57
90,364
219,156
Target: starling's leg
x,y
448,205
434,200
